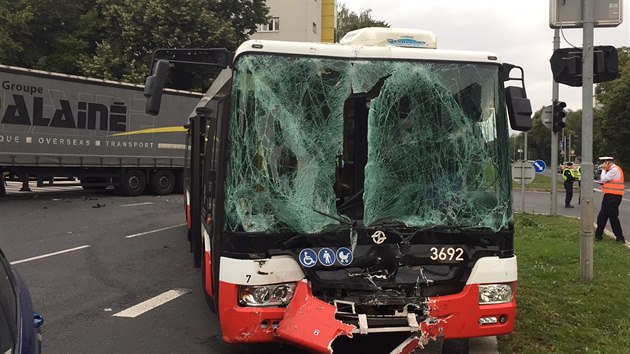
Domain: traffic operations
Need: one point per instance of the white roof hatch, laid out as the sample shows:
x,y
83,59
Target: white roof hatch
x,y
399,37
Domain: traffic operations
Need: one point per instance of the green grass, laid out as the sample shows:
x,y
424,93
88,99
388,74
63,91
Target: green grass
x,y
541,182
558,313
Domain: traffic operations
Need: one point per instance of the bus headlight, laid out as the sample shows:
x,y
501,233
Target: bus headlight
x,y
266,295
495,293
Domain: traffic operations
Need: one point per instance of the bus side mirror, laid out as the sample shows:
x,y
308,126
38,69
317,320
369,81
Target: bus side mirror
x,y
153,87
519,108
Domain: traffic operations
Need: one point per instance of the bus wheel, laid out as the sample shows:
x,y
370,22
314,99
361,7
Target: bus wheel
x,y
162,182
134,183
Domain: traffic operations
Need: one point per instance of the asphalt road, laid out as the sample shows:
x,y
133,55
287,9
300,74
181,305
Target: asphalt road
x,y
90,258
540,203
87,257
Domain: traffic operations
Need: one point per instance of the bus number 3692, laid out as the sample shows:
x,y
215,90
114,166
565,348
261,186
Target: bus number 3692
x,y
447,253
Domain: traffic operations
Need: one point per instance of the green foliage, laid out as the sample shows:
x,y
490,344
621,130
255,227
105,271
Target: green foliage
x,y
46,34
349,21
113,39
539,137
614,97
13,27
557,313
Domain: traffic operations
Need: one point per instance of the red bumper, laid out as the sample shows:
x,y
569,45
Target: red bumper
x,y
310,323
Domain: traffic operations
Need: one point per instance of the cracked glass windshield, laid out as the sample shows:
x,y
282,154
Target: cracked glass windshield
x,y
314,142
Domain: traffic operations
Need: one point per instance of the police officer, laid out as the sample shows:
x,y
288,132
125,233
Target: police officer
x,y
568,177
578,177
611,180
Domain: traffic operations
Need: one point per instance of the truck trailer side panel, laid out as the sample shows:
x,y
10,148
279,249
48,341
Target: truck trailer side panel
x,y
50,122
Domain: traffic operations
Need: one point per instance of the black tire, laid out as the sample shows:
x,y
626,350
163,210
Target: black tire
x,y
162,182
134,183
456,346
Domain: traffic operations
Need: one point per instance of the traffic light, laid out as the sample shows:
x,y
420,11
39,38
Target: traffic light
x,y
558,115
566,65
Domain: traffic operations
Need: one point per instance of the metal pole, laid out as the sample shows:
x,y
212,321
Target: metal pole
x,y
523,173
554,138
586,190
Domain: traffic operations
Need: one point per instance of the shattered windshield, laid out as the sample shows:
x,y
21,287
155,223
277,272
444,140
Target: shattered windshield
x,y
315,141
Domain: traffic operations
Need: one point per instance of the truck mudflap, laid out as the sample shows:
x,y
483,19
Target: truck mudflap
x,y
310,323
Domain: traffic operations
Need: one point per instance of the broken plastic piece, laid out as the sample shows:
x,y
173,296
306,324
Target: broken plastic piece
x,y
310,323
363,323
408,346
413,322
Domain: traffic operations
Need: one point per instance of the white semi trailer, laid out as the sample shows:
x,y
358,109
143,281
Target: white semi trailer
x,y
57,125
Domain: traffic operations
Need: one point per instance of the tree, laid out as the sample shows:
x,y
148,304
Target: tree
x,y
538,141
539,137
13,27
136,28
349,21
114,39
614,97
47,34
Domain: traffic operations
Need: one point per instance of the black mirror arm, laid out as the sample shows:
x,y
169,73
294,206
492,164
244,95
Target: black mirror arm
x,y
507,69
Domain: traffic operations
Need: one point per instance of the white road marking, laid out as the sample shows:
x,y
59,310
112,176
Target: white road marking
x,y
50,254
137,204
152,303
152,231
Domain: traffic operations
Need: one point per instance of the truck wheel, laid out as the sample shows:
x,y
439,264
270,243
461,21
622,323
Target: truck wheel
x,y
134,183
162,182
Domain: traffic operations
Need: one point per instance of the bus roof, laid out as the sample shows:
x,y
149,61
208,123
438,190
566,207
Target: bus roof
x,y
371,43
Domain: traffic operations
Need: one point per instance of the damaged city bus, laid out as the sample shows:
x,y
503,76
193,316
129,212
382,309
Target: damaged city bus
x,y
354,188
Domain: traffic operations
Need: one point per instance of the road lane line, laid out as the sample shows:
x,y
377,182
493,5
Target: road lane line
x,y
50,254
152,231
152,303
136,204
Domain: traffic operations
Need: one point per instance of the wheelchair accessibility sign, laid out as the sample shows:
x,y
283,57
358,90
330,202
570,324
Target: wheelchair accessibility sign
x,y
325,256
308,257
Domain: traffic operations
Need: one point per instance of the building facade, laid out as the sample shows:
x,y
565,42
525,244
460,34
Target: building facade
x,y
299,20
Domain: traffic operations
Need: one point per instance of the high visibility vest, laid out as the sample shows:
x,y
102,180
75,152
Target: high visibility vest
x,y
564,177
615,186
578,173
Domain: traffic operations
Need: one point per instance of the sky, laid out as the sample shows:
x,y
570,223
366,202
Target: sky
x,y
516,30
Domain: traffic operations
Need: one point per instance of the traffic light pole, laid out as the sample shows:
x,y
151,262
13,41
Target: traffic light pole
x,y
586,190
554,138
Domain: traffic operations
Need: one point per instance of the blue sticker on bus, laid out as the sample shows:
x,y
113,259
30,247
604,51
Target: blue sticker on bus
x,y
308,257
326,256
344,256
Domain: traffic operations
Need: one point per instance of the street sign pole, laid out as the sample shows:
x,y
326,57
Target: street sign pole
x,y
586,190
523,173
554,138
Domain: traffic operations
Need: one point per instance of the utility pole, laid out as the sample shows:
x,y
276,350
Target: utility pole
x,y
523,162
554,138
586,190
